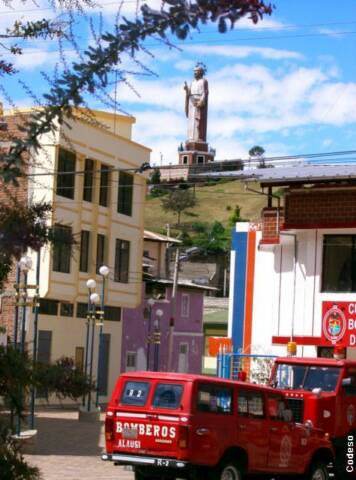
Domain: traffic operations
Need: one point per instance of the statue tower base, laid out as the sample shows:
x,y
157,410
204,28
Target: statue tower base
x,y
193,152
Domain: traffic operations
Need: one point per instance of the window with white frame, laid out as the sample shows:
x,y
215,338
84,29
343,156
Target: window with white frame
x,y
185,305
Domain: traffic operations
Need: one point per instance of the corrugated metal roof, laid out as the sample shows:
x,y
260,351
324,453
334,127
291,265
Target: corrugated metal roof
x,y
298,173
157,237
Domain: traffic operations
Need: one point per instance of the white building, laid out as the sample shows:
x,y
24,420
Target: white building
x,y
103,207
293,276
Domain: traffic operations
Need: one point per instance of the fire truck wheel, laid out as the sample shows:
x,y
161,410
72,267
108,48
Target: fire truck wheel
x,y
318,471
229,471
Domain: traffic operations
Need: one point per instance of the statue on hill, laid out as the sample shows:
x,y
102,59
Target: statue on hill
x,y
196,105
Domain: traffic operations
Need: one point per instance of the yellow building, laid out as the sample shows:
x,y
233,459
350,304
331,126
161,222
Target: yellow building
x,y
88,172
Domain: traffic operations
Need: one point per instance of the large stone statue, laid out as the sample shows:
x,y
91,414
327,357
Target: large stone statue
x,y
196,105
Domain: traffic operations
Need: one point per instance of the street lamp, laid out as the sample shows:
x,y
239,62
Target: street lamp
x,y
157,338
151,302
91,284
24,266
104,272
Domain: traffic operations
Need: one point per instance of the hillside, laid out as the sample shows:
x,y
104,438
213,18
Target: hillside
x,y
215,202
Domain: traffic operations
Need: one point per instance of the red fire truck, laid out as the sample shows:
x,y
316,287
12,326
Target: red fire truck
x,y
322,392
169,426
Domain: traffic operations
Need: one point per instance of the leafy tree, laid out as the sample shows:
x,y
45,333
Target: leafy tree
x,y
155,177
257,153
24,227
98,65
178,201
92,73
18,375
12,462
212,238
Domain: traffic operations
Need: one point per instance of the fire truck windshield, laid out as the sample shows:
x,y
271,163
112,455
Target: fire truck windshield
x,y
304,377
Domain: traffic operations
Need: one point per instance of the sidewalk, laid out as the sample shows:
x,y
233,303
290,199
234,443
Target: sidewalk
x,y
70,450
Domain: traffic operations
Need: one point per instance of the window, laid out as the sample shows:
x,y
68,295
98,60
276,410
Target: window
x,y
250,404
100,251
79,358
135,393
167,395
104,185
131,360
67,309
277,409
44,346
200,159
125,193
82,310
66,175
112,313
185,159
122,261
339,263
185,305
214,399
88,180
84,251
48,307
62,250
242,406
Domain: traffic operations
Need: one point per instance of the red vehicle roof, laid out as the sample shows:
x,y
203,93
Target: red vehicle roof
x,y
325,362
188,377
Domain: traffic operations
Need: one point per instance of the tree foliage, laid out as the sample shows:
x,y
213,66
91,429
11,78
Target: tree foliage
x,y
23,227
178,201
12,462
176,18
211,238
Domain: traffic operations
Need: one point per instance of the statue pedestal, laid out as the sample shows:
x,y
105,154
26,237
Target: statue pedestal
x,y
196,146
196,153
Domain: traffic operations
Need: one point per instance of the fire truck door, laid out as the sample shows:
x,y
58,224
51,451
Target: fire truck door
x,y
252,428
285,440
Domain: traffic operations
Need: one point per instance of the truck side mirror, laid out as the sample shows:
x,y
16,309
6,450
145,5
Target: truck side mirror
x,y
346,382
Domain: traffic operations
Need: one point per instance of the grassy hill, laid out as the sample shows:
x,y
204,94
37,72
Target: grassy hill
x,y
215,202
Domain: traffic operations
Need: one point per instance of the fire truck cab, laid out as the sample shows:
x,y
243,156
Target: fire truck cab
x,y
321,392
169,426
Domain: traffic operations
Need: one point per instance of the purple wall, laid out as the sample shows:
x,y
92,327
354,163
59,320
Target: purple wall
x,y
188,340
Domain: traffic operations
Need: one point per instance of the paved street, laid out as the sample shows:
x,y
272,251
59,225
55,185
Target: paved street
x,y
70,450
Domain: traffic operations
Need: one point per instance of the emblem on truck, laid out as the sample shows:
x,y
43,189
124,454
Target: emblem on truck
x,y
334,324
286,451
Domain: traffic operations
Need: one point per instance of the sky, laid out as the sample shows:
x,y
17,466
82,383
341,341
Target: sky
x,y
287,84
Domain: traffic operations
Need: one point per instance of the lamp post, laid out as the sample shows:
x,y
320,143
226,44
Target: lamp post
x,y
91,284
35,336
157,338
104,272
25,265
151,302
94,299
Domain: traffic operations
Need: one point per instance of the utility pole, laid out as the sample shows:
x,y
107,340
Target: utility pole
x,y
173,310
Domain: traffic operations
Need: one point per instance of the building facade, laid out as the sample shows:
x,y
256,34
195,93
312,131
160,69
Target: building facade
x,y
102,207
163,333
292,274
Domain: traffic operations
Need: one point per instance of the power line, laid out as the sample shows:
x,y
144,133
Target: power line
x,y
316,156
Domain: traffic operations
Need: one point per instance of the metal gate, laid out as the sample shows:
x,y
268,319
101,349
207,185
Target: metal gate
x,y
254,368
